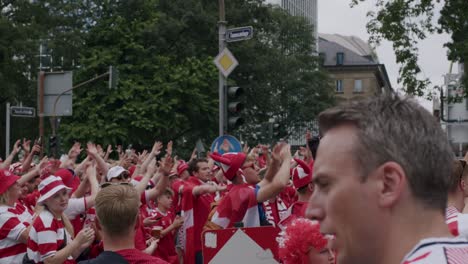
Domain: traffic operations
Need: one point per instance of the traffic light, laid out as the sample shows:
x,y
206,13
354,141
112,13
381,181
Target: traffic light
x,y
234,107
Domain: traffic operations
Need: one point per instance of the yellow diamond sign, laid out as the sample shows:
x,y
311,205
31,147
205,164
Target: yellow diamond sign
x,y
226,62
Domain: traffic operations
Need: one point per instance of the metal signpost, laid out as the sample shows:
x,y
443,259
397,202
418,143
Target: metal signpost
x,y
225,61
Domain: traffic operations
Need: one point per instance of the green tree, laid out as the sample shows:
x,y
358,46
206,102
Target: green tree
x,y
406,22
160,95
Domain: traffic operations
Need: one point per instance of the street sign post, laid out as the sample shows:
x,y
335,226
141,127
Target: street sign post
x,y
239,34
22,111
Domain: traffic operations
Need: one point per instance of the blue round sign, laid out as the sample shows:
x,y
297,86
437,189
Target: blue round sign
x,y
225,144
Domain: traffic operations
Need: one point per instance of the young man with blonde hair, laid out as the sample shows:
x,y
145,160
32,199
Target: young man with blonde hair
x,y
117,208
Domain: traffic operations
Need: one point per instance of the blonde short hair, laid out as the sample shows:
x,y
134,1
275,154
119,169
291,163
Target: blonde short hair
x,y
117,208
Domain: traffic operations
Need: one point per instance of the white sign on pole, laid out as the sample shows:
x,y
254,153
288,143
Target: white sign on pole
x,y
239,34
58,84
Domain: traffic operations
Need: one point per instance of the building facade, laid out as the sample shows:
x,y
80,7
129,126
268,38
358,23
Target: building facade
x,y
353,67
307,9
453,114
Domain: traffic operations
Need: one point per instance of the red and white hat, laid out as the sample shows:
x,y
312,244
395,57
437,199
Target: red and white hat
x,y
230,162
182,167
50,186
301,174
7,179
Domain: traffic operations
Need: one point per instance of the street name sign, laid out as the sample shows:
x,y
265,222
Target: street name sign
x,y
239,34
22,111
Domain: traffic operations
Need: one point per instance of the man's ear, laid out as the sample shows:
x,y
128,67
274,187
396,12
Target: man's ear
x,y
392,182
463,186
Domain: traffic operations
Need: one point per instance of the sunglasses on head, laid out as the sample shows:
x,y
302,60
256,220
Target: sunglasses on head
x,y
122,176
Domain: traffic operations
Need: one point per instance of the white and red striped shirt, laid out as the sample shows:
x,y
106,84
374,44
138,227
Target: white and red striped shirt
x,y
439,251
11,227
24,214
46,237
457,222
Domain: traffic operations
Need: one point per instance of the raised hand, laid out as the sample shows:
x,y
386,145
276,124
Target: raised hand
x,y
169,148
194,154
100,150
178,221
85,237
36,149
16,147
246,148
26,145
158,145
91,149
166,165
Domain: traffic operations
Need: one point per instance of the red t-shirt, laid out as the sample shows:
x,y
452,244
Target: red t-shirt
x,y
140,241
166,245
177,186
201,210
298,209
135,256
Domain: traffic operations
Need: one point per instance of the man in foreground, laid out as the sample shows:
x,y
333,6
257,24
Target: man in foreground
x,y
381,182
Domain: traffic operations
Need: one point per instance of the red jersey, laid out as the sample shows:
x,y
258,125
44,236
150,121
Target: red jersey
x,y
195,210
177,187
239,205
166,245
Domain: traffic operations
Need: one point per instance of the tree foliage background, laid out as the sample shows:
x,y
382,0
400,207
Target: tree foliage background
x,y
164,51
406,22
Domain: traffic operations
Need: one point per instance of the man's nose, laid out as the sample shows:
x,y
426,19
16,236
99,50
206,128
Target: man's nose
x,y
314,209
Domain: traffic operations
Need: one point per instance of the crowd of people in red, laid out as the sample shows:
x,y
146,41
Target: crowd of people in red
x,y
360,197
50,213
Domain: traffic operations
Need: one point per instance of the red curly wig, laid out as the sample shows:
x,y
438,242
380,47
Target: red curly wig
x,y
298,238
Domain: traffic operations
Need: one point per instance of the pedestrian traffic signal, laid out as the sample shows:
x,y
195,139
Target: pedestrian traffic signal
x,y
234,107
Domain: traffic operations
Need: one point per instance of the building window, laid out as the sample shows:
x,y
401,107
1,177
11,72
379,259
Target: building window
x,y
339,58
322,58
339,86
358,86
